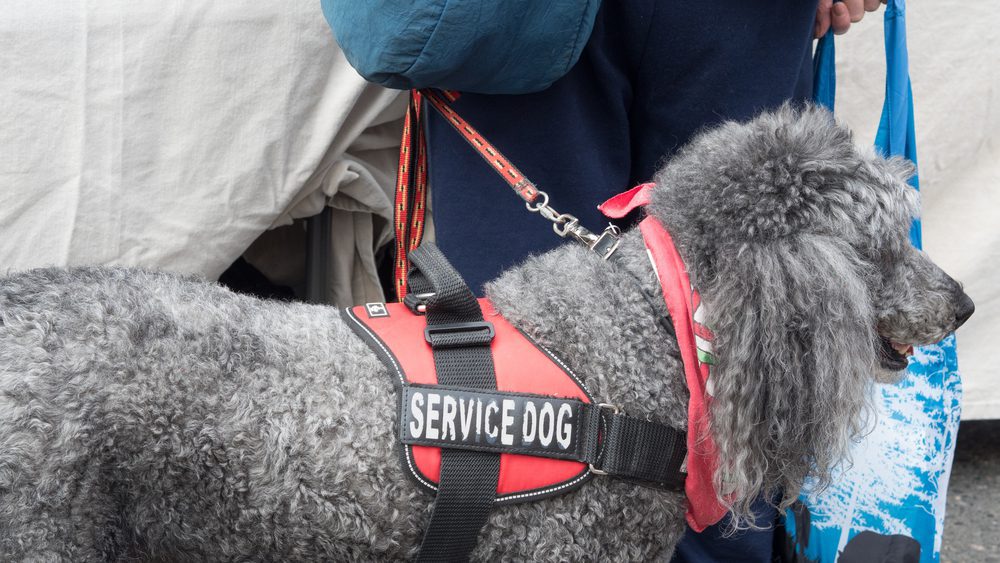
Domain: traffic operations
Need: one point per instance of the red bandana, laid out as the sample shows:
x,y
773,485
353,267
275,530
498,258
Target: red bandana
x,y
694,341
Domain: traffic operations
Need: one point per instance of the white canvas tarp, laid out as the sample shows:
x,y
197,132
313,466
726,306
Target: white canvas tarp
x,y
170,135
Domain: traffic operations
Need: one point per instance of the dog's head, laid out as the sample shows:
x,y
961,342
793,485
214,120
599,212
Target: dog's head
x,y
799,244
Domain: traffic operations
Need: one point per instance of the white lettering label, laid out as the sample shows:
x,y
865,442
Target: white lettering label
x,y
491,420
448,407
506,421
433,399
548,415
479,418
417,424
530,418
465,417
565,435
490,428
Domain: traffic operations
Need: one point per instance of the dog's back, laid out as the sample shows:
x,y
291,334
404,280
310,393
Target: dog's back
x,y
146,416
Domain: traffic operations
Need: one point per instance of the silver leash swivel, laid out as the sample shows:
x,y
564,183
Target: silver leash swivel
x,y
567,225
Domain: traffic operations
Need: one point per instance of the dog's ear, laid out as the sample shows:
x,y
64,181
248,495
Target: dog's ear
x,y
796,348
764,218
903,169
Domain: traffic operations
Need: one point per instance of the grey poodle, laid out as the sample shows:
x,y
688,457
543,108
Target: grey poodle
x,y
148,417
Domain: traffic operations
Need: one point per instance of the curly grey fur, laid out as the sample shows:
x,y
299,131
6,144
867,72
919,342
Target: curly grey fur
x,y
145,416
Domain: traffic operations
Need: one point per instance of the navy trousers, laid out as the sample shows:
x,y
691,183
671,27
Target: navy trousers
x,y
652,74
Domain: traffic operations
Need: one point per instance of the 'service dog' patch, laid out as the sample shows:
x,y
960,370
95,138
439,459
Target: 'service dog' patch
x,y
493,421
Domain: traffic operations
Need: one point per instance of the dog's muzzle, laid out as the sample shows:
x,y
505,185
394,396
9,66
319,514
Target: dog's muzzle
x,y
894,356
964,309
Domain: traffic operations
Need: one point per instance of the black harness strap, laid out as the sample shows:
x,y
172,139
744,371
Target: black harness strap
x,y
461,345
642,451
646,452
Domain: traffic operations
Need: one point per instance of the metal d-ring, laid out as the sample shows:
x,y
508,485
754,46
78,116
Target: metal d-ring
x,y
536,207
615,410
565,224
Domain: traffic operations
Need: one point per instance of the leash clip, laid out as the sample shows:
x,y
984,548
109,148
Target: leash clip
x,y
607,242
567,225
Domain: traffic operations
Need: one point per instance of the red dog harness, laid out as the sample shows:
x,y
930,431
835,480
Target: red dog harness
x,y
488,416
522,366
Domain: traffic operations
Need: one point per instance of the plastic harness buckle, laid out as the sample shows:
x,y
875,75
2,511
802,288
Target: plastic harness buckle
x,y
457,335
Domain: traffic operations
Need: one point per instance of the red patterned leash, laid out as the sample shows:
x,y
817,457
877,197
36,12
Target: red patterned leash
x,y
412,180
523,187
411,192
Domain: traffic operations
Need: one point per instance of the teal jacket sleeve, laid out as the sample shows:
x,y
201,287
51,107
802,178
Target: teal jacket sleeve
x,y
482,46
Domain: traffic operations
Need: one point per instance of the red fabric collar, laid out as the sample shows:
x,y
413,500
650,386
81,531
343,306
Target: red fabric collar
x,y
694,341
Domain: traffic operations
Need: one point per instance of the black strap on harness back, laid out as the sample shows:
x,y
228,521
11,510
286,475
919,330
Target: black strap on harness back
x,y
460,340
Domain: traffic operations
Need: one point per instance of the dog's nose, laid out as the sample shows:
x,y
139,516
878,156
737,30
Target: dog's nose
x,y
964,309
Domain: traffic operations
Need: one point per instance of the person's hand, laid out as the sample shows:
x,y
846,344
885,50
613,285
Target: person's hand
x,y
840,15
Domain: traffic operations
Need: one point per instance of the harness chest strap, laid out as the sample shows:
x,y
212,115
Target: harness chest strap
x,y
468,478
599,435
